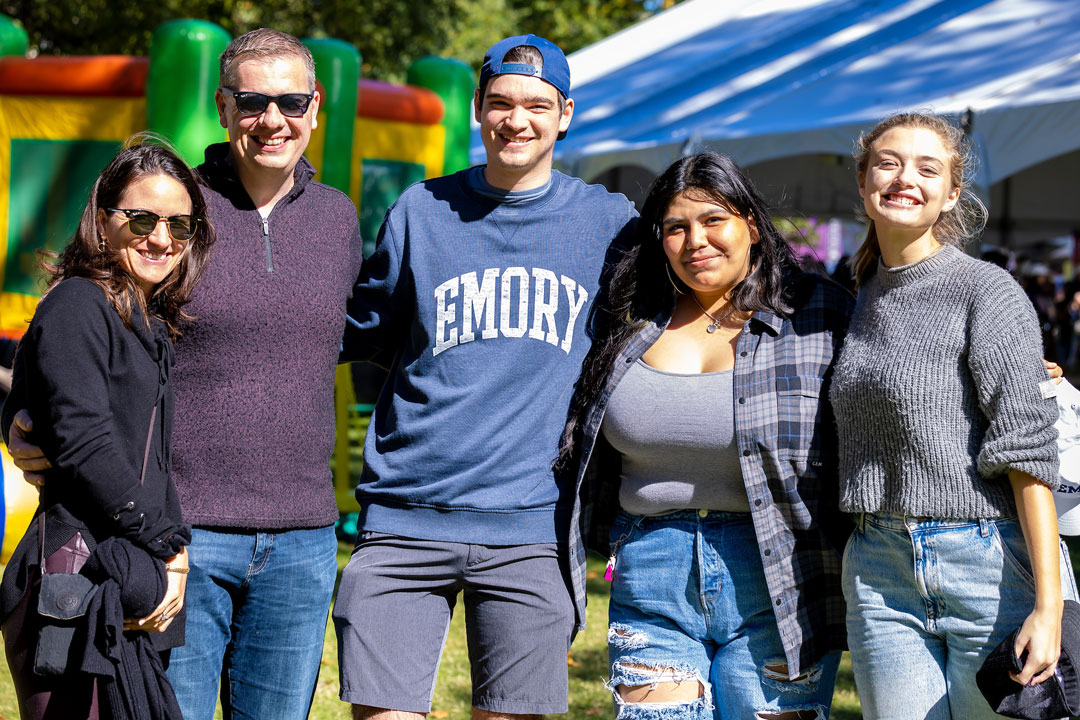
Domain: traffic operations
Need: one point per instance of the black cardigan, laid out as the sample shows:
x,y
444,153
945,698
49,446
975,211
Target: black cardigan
x,y
92,387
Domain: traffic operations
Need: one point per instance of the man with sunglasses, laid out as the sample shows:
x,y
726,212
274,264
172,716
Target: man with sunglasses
x,y
478,292
254,384
254,393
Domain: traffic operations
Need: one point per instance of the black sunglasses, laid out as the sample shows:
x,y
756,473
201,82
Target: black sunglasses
x,y
253,103
142,223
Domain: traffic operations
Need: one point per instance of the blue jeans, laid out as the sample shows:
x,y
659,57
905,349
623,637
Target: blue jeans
x,y
927,600
257,606
689,603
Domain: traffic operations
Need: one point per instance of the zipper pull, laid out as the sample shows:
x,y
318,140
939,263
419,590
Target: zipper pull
x,y
610,568
266,244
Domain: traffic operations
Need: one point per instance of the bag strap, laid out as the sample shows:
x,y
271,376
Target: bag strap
x,y
142,478
146,452
41,534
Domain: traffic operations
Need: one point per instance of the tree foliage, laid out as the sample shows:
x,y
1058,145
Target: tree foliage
x,y
390,34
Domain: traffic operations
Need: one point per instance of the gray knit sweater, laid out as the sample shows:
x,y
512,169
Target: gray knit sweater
x,y
937,392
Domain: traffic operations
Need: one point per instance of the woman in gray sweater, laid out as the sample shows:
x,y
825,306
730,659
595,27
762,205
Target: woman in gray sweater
x,y
947,446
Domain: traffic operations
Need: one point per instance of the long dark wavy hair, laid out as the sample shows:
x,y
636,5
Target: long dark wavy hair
x,y
640,286
142,156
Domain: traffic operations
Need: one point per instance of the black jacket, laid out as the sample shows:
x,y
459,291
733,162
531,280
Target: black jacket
x,y
96,389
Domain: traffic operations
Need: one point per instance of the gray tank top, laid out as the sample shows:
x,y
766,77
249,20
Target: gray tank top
x,y
676,435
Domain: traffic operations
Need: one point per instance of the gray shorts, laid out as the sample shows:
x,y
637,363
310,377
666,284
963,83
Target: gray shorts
x,y
393,612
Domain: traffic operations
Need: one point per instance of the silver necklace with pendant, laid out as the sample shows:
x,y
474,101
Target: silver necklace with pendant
x,y
715,320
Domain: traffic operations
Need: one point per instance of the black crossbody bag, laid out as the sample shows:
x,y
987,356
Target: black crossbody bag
x,y
63,599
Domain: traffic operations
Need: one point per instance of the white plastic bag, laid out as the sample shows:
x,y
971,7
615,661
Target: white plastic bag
x,y
1067,496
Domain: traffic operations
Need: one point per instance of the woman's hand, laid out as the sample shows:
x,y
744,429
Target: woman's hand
x,y
1054,370
28,457
1040,636
163,615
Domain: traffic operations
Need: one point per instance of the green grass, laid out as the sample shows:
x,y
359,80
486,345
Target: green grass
x,y
9,707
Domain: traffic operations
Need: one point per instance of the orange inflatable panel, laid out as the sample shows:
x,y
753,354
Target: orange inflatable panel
x,y
399,103
73,75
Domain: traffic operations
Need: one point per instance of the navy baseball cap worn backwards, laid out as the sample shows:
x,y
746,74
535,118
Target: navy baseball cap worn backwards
x,y
555,72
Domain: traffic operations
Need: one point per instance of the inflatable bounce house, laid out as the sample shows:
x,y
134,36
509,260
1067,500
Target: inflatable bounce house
x,y
63,118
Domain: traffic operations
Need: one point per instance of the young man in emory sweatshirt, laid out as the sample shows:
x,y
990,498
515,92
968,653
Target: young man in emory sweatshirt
x,y
476,298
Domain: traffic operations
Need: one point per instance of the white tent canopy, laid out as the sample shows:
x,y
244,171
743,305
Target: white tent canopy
x,y
766,80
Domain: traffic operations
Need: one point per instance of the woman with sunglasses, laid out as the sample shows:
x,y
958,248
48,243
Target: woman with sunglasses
x,y
700,413
947,444
93,370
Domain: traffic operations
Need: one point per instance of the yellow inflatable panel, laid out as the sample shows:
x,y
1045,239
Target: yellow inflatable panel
x,y
20,502
403,142
59,119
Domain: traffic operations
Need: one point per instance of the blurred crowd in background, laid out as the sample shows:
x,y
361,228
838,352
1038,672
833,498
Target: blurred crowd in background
x,y
1057,304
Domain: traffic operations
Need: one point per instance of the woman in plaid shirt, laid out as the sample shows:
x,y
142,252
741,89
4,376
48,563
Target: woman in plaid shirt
x,y
703,400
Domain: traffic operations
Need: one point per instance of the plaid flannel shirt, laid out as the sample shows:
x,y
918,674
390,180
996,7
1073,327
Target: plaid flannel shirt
x,y
786,441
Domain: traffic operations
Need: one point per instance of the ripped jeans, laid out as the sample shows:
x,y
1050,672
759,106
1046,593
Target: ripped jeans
x,y
689,603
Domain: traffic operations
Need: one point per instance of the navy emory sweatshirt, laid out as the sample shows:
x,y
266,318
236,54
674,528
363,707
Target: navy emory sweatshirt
x,y
478,302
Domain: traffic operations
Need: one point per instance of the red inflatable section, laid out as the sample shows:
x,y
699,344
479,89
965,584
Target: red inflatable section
x,y
398,103
97,76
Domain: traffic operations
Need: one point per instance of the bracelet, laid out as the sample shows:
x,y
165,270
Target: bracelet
x,y
180,570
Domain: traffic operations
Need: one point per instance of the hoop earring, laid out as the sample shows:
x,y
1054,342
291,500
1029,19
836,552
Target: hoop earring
x,y
671,279
102,246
